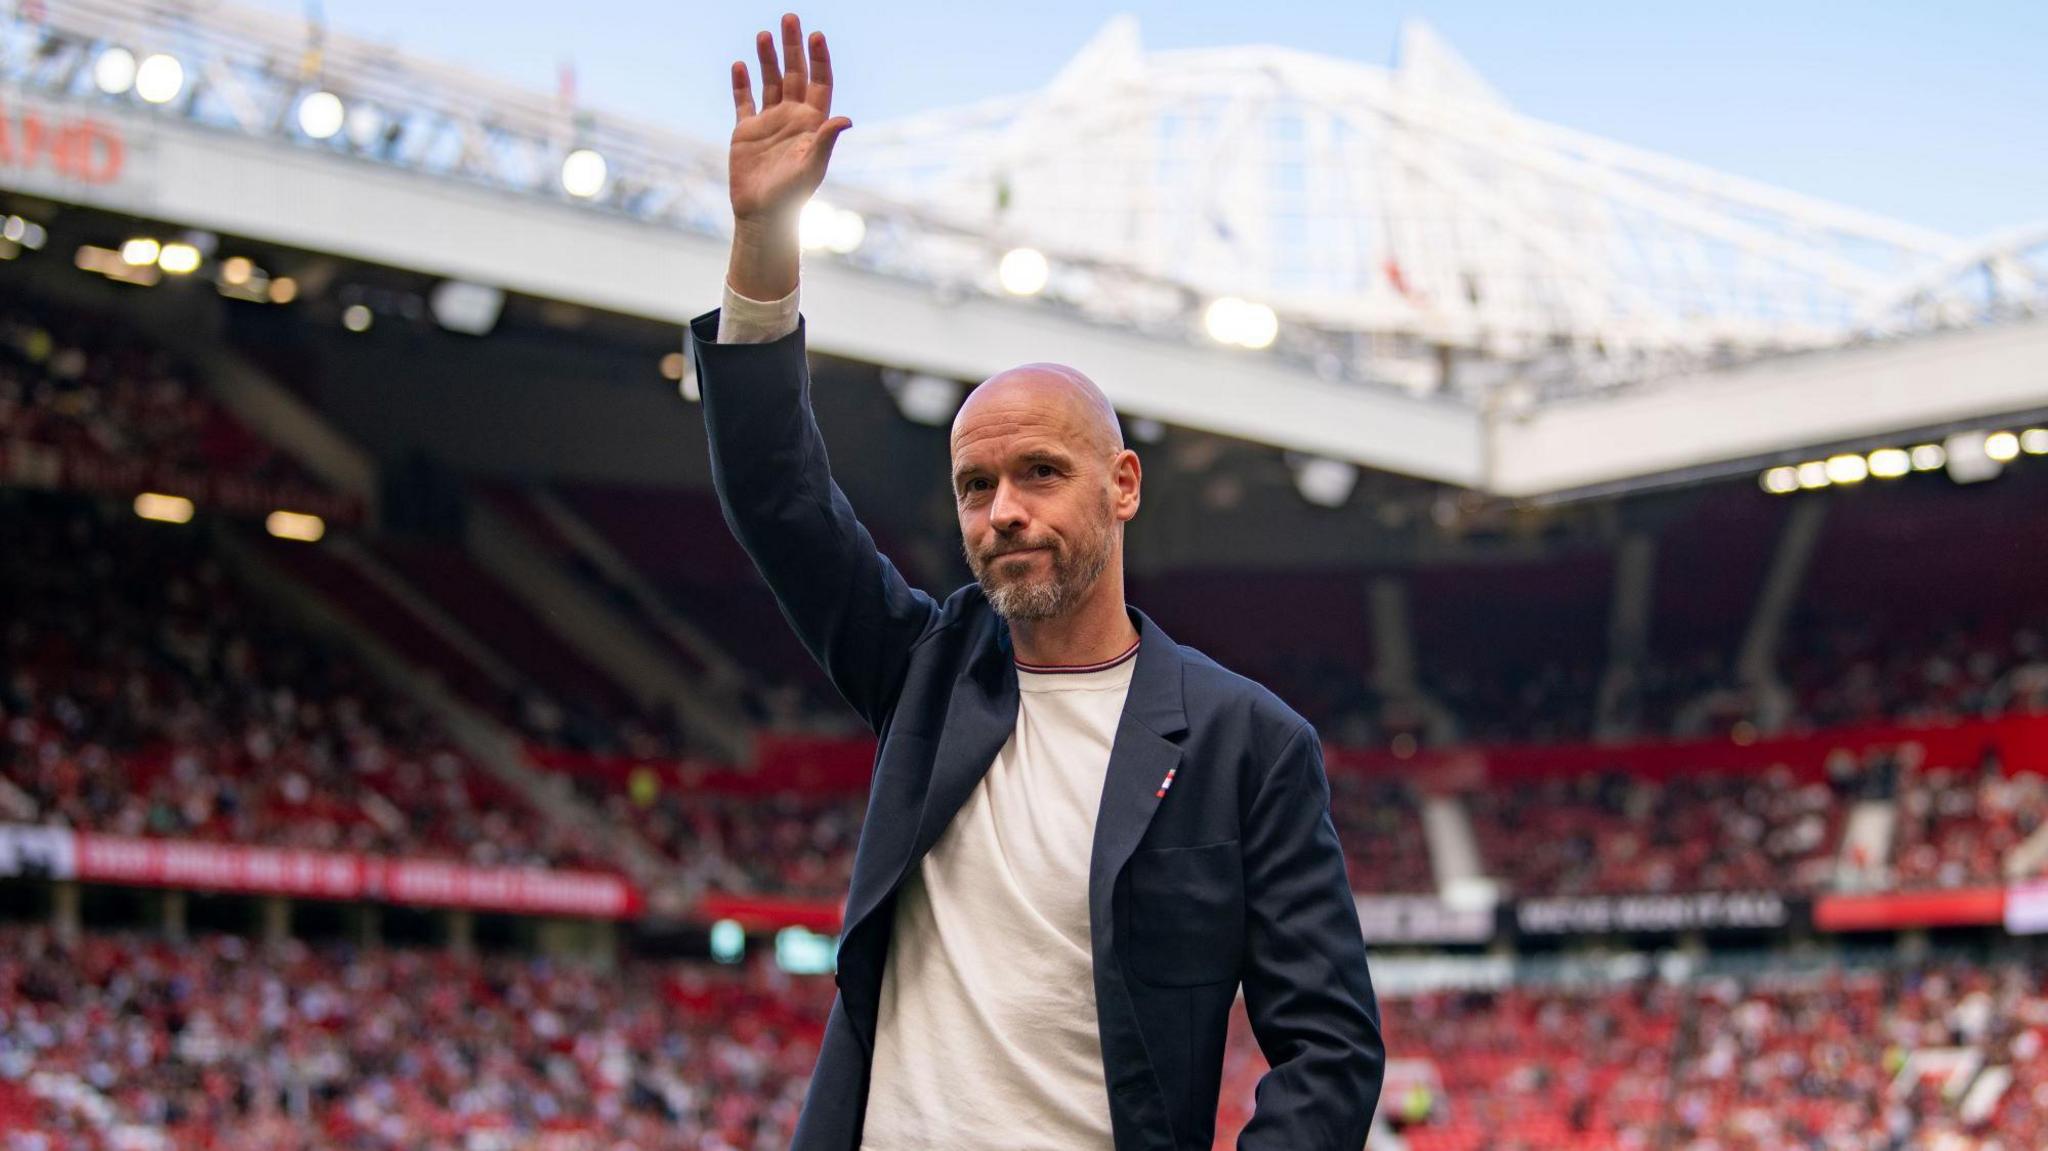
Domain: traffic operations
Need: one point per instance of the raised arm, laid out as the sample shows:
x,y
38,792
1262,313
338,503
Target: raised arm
x,y
778,157
847,602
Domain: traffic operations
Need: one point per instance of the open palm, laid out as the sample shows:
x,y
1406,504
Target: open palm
x,y
779,151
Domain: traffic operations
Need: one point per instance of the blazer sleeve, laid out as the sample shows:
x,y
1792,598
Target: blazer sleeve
x,y
851,607
1307,989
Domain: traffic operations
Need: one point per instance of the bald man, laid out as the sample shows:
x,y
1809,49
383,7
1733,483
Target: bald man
x,y
1081,837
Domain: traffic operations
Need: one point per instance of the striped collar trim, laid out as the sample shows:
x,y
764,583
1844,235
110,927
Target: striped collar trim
x,y
1077,668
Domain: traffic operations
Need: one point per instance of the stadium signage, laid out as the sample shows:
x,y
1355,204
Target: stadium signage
x,y
1899,910
1421,919
1384,918
36,852
58,853
1705,911
2026,908
79,149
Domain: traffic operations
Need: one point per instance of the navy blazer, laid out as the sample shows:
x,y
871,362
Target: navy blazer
x,y
1233,874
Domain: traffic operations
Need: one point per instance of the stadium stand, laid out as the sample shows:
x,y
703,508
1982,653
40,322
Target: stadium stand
x,y
1958,826
1596,833
86,385
1514,649
678,541
1860,1057
1380,824
218,1042
1611,834
1306,635
1922,603
221,1041
1552,1069
351,587
148,693
1827,1058
1712,557
585,706
785,844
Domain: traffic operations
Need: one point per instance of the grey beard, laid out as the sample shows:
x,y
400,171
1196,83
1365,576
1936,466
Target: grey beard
x,y
1026,601
1031,602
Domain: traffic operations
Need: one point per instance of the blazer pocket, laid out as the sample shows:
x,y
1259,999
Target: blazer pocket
x,y
1187,914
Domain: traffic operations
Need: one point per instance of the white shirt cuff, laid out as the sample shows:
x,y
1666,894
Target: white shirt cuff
x,y
746,321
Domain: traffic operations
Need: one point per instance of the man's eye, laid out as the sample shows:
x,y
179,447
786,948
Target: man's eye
x,y
1044,471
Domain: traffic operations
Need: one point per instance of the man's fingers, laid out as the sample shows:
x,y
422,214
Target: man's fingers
x,y
771,72
819,92
792,57
742,91
828,135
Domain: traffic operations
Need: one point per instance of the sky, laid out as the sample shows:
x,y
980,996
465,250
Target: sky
x,y
1929,112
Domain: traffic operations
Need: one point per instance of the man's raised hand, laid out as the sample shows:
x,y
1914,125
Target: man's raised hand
x,y
780,149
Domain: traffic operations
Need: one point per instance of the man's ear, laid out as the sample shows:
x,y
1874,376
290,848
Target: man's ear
x,y
1129,476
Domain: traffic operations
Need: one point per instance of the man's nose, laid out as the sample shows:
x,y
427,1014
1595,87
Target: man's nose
x,y
1006,512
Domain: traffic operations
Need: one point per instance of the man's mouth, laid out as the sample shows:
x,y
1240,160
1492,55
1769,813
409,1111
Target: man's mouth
x,y
1024,554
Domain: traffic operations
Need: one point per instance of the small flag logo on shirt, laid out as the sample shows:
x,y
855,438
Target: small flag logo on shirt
x,y
1165,783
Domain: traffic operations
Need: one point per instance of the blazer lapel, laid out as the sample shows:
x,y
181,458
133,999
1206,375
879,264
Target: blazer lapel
x,y
981,718
980,715
1143,753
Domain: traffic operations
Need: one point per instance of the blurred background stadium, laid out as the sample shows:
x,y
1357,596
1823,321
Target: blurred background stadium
x,y
399,753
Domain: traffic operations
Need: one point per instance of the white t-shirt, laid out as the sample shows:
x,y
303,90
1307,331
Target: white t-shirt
x,y
986,1039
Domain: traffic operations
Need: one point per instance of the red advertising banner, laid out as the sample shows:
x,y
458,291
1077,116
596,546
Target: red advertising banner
x,y
767,913
202,866
1899,910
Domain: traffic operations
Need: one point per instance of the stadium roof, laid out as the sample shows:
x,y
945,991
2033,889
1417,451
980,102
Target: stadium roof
x,y
1409,202
1449,289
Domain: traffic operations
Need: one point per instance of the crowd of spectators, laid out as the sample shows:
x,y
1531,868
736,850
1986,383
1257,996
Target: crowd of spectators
x,y
147,692
1864,1060
118,1040
787,845
100,390
1833,676
125,1042
69,384
1554,1069
1853,673
1380,825
1959,827
70,380
1612,833
1550,700
1838,1061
